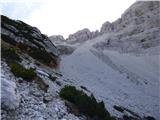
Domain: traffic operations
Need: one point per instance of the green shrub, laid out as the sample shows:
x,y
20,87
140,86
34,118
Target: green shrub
x,y
19,71
39,54
10,55
86,104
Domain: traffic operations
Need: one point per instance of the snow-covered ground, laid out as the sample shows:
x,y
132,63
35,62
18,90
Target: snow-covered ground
x,y
130,80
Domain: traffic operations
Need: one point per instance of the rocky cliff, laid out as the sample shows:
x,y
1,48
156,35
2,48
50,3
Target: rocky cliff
x,y
17,32
121,64
77,37
138,28
81,36
137,18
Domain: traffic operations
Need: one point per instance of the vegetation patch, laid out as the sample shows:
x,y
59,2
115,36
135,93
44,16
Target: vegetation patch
x,y
10,55
37,52
40,54
71,108
19,71
28,75
87,105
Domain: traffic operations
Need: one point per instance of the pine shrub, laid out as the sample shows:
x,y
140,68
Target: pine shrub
x,y
10,55
19,71
87,105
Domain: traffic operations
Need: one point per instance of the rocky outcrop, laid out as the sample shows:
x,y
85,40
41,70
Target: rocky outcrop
x,y
57,39
17,32
81,36
62,45
139,17
9,97
67,46
65,49
78,37
137,29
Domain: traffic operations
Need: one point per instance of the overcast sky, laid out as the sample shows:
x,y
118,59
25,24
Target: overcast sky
x,y
54,17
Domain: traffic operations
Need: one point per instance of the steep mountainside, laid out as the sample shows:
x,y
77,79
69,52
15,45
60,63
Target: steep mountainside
x,y
29,89
17,32
121,64
118,64
138,28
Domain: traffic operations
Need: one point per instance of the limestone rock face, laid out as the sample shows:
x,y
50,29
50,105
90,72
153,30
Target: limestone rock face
x,y
67,46
81,36
141,15
129,47
107,27
57,39
9,97
17,32
137,29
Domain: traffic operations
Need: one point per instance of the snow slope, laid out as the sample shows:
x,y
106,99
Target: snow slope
x,y
126,79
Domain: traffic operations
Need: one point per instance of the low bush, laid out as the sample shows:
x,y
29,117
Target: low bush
x,y
19,71
86,104
28,75
39,54
10,55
